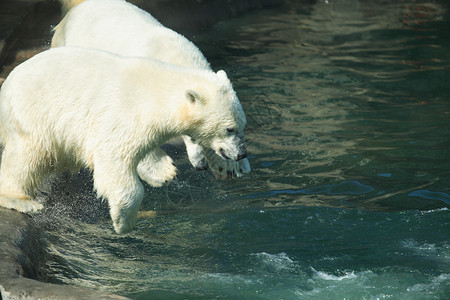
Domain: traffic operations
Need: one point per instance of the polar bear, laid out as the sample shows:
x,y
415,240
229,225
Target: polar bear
x,y
68,108
120,27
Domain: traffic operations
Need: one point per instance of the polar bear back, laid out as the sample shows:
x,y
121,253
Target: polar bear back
x,y
37,95
122,28
51,99
72,100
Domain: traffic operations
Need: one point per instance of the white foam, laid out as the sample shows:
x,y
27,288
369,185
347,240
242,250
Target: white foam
x,y
441,252
423,287
326,276
280,261
434,210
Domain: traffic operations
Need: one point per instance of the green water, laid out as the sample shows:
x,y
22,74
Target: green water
x,y
348,107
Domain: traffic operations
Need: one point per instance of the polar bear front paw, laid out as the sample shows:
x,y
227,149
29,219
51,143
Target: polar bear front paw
x,y
196,154
166,174
199,162
225,168
157,168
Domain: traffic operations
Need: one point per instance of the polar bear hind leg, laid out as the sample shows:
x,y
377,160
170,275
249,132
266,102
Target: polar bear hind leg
x,y
25,205
21,172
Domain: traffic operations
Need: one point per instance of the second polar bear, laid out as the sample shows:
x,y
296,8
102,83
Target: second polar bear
x,y
120,27
70,107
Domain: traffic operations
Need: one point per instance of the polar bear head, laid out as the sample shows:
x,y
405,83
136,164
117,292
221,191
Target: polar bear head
x,y
218,117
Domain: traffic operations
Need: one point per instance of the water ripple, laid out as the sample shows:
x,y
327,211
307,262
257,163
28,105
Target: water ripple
x,y
431,195
348,187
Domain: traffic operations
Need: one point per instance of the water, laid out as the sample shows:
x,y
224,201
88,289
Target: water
x,y
349,134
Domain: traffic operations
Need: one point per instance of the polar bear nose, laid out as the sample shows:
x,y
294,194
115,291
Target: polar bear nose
x,y
242,152
242,155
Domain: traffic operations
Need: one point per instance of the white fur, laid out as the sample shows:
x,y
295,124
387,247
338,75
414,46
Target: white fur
x,y
122,28
68,108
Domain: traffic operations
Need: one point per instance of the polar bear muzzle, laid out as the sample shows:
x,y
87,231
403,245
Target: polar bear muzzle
x,y
241,154
231,148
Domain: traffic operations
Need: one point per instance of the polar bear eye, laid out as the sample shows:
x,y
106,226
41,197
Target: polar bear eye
x,y
230,130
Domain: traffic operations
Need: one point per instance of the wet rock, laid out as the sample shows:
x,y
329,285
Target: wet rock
x,y
20,252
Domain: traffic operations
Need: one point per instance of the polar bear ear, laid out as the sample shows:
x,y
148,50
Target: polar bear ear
x,y
193,97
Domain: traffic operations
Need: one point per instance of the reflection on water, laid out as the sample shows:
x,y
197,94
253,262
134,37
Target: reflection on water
x,y
344,90
348,129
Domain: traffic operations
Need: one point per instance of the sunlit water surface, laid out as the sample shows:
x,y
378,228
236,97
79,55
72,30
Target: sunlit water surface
x,y
349,133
